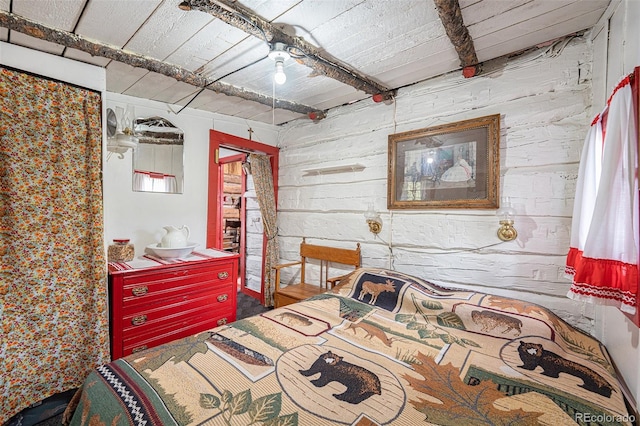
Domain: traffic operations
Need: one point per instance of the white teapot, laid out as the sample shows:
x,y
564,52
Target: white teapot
x,y
176,237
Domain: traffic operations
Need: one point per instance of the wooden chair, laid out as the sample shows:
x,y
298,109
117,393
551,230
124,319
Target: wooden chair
x,y
295,292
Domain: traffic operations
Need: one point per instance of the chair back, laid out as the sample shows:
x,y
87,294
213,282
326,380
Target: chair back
x,y
326,256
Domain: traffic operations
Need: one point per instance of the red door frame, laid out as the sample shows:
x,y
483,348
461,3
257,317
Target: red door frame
x,y
214,203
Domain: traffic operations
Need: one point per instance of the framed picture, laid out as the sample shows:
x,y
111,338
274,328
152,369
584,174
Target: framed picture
x,y
450,166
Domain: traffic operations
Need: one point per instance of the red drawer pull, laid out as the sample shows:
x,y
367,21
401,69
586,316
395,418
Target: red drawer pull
x,y
222,298
140,319
223,275
139,348
222,321
140,291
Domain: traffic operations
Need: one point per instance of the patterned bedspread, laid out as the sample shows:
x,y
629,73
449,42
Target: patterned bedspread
x,y
381,348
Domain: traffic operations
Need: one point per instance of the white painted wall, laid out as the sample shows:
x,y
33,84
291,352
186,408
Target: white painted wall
x,y
616,53
140,216
52,66
544,100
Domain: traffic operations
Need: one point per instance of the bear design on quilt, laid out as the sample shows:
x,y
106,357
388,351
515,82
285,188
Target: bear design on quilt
x,y
490,320
360,382
534,355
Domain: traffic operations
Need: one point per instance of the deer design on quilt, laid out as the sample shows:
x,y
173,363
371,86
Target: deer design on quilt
x,y
374,289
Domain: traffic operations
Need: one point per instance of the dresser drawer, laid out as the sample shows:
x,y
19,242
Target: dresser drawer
x,y
138,319
185,327
143,289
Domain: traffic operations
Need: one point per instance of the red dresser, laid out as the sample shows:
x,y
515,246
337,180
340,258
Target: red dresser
x,y
153,302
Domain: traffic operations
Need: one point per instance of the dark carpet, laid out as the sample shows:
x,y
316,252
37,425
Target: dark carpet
x,y
247,306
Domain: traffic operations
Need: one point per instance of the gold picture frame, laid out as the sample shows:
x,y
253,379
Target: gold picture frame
x,y
449,166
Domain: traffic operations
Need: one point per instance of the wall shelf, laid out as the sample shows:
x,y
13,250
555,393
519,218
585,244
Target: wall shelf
x,y
335,169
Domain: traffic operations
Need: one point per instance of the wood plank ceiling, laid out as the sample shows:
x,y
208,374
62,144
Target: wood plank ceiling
x,y
213,54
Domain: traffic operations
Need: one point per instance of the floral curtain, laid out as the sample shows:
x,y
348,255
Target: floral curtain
x,y
53,296
603,256
263,181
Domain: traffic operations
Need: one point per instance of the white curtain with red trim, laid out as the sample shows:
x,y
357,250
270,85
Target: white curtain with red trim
x,y
603,256
154,182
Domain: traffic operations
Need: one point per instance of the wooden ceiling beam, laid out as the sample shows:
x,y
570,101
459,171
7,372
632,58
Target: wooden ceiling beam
x,y
234,14
451,17
74,41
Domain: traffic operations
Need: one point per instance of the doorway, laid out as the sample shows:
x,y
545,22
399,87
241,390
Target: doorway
x,y
233,220
216,200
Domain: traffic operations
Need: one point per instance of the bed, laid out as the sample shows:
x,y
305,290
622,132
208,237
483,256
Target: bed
x,y
380,348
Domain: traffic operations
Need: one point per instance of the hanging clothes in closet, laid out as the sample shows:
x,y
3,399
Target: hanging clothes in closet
x,y
603,255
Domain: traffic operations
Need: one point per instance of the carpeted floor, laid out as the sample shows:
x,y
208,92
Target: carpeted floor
x,y
247,306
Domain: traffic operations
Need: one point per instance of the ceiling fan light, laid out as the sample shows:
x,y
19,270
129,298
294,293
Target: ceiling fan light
x,y
278,52
280,77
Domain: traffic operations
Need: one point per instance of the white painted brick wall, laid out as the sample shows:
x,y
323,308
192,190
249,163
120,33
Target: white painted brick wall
x,y
544,102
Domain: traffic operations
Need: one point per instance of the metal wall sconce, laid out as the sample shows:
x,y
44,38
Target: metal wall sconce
x,y
506,232
373,220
